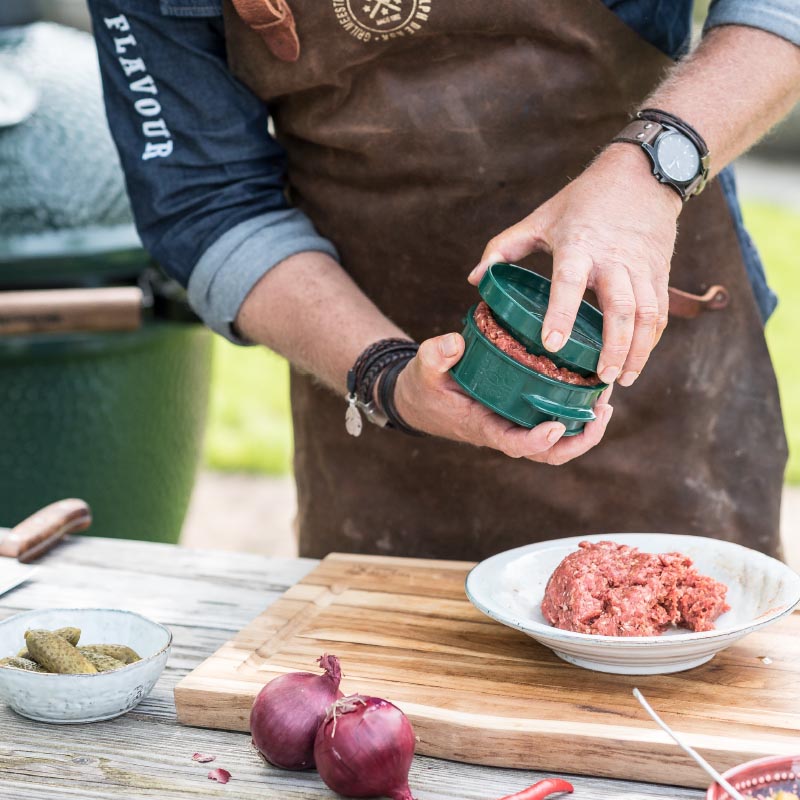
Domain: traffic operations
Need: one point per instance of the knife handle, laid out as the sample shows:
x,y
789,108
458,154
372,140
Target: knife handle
x,y
38,533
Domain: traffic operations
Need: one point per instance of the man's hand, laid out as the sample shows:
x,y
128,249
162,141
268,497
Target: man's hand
x,y
612,230
429,400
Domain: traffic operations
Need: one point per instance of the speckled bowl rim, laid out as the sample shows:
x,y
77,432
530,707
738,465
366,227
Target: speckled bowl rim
x,y
735,773
537,629
95,675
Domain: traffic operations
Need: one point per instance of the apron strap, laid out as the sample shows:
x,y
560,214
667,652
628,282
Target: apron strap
x,y
274,22
687,306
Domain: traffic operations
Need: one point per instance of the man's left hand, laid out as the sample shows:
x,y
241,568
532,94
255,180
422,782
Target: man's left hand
x,y
611,230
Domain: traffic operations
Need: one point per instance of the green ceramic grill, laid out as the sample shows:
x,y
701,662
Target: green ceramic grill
x,y
518,301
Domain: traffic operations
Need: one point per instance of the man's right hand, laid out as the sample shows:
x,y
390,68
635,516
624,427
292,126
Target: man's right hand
x,y
428,399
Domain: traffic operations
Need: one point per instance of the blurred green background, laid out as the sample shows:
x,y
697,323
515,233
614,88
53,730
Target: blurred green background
x,y
250,427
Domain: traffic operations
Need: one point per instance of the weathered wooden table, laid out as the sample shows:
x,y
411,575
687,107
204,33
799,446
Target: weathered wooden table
x,y
204,597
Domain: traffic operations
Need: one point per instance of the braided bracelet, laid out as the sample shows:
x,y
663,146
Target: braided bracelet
x,y
364,375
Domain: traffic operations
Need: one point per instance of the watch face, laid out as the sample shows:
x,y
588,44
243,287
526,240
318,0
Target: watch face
x,y
677,156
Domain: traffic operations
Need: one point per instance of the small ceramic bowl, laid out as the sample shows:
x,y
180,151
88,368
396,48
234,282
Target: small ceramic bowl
x,y
761,779
83,698
509,587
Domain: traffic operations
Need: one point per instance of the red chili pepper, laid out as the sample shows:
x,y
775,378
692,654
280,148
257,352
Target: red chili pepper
x,y
542,789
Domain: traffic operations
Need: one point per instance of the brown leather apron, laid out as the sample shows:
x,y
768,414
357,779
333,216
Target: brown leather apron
x,y
418,129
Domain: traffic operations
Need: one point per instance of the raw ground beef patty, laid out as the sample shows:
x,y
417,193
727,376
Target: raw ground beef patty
x,y
615,590
504,341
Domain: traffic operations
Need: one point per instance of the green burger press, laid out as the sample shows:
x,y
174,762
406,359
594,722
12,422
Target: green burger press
x,y
518,300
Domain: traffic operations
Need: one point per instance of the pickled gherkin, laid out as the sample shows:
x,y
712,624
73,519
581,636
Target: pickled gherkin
x,y
119,651
72,635
102,662
21,663
56,654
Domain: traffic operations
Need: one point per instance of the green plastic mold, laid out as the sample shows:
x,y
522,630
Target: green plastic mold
x,y
518,299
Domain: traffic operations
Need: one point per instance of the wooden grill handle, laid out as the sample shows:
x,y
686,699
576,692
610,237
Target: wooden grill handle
x,y
114,308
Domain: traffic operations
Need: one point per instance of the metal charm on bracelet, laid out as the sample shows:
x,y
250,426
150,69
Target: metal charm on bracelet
x,y
364,375
352,417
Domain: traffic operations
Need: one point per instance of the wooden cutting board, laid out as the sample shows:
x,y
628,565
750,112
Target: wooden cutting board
x,y
479,692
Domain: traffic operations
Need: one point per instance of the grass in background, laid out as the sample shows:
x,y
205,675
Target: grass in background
x,y
250,427
776,231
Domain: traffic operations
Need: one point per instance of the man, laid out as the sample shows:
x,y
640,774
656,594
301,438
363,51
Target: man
x,y
415,131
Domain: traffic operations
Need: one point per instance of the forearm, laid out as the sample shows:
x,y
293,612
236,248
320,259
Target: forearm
x,y
737,84
309,310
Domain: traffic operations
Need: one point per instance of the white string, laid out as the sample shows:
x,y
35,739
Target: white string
x,y
690,751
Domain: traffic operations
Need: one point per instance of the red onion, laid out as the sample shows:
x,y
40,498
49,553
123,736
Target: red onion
x,y
288,711
364,748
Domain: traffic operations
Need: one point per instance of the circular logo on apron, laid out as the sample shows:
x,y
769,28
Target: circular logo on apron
x,y
381,20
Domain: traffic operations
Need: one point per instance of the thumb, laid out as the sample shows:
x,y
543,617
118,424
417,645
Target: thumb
x,y
437,355
513,244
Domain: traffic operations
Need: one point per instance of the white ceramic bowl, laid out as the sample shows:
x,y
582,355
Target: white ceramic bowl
x,y
509,587
83,698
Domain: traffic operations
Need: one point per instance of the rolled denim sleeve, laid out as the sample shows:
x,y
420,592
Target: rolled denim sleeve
x,y
205,179
781,17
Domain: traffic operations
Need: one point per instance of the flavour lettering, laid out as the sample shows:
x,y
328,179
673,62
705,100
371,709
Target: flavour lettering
x,y
122,43
156,128
148,107
146,84
120,23
161,150
145,106
131,65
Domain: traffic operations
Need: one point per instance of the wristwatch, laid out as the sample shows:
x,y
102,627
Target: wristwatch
x,y
678,153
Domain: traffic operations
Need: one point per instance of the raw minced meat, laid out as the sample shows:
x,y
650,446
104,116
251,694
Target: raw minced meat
x,y
615,590
504,341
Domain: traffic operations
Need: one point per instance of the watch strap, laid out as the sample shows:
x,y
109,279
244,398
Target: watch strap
x,y
665,118
643,131
674,122
639,131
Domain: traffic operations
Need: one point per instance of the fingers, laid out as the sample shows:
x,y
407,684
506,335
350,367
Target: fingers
x,y
546,442
513,244
574,446
615,295
571,267
646,320
517,442
605,397
436,356
662,292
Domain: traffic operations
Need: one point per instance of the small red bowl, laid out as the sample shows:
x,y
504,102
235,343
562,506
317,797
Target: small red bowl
x,y
761,779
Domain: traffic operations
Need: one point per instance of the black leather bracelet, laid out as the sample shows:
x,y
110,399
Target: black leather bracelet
x,y
364,375
377,366
386,399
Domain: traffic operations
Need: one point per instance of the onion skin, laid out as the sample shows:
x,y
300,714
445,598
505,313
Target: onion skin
x,y
289,710
364,748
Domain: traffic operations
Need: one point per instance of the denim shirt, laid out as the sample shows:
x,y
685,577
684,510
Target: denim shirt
x,y
206,180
